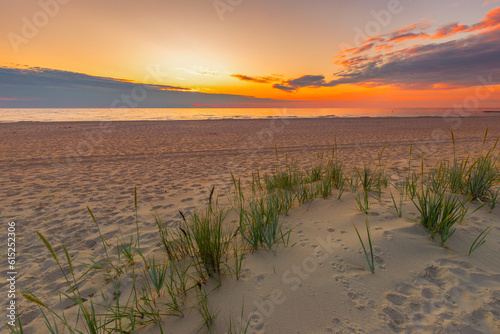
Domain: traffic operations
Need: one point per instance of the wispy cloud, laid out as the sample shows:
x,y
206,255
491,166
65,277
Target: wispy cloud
x,y
413,29
303,81
487,2
265,79
450,30
420,31
450,64
408,36
198,70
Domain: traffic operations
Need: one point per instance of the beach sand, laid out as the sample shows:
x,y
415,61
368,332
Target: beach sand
x,y
51,172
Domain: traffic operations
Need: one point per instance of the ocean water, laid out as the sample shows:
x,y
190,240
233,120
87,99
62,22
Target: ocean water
x,y
118,114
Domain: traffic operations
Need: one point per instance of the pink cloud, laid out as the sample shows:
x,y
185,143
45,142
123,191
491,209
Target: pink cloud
x,y
491,20
450,30
414,32
409,36
449,64
411,28
487,2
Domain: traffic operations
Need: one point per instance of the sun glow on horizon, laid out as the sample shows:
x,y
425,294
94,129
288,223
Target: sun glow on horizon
x,y
258,51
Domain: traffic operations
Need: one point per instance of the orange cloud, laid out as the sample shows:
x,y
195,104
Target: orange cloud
x,y
487,2
442,66
384,47
491,20
408,36
450,30
411,28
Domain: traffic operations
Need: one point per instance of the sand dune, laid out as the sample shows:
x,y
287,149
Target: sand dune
x,y
51,172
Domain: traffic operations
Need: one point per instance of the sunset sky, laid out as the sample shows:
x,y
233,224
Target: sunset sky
x,y
250,53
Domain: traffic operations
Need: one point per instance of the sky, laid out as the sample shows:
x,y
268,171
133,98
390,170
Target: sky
x,y
249,53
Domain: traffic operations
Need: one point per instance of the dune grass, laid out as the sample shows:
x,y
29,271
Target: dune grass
x,y
208,314
239,326
479,241
439,211
494,198
260,225
399,205
474,177
363,204
335,177
369,258
208,238
205,246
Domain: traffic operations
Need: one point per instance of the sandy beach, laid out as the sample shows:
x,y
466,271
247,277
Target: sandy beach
x,y
319,283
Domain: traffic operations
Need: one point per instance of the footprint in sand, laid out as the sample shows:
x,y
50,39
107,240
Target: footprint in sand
x,y
429,273
259,280
405,289
396,299
90,243
371,304
318,255
256,321
331,230
352,295
387,235
173,223
357,299
338,259
380,261
427,293
338,267
246,274
304,240
396,318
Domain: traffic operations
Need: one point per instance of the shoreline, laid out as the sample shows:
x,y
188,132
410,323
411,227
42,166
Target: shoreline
x,y
264,119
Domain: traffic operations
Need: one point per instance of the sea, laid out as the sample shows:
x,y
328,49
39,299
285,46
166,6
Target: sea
x,y
173,114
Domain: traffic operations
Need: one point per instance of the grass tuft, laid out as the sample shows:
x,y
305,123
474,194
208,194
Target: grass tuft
x,y
208,237
370,259
479,241
439,212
